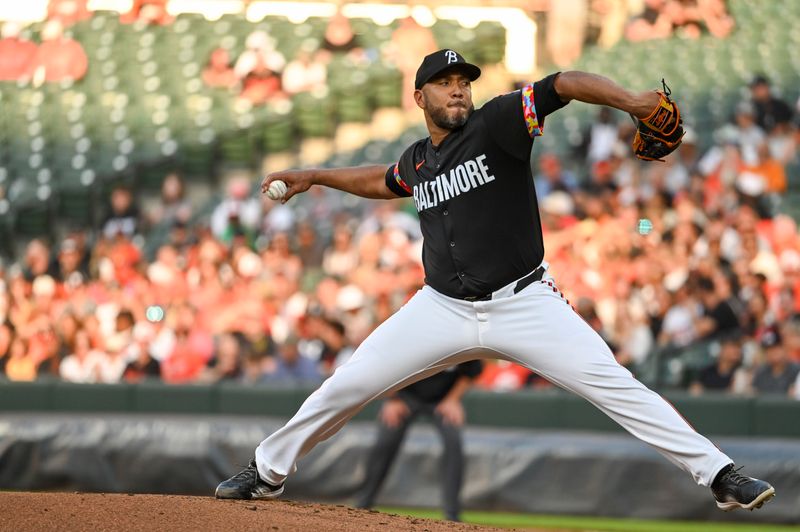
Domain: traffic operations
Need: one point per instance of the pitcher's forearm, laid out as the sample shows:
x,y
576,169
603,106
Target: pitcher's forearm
x,y
364,181
599,90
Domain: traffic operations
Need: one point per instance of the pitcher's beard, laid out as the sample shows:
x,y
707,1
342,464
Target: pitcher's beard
x,y
441,118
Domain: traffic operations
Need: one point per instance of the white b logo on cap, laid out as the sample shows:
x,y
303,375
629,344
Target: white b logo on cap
x,y
451,56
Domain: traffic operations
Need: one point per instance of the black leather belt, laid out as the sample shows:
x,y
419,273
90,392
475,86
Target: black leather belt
x,y
535,275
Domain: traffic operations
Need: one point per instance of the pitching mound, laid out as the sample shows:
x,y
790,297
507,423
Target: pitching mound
x,y
147,513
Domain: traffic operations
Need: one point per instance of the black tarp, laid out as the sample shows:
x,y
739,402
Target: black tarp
x,y
549,472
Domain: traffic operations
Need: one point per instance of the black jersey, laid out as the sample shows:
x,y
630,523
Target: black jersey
x,y
436,387
475,195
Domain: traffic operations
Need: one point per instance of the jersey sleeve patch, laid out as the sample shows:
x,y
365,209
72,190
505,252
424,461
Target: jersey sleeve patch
x,y
399,179
529,112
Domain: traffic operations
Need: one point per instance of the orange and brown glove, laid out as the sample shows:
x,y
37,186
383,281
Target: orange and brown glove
x,y
661,132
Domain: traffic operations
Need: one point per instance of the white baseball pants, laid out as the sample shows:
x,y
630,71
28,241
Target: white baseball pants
x,y
536,328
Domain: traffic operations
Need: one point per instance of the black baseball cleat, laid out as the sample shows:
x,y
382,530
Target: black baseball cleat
x,y
247,484
732,490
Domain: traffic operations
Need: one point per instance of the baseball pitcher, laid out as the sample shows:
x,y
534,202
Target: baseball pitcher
x,y
487,285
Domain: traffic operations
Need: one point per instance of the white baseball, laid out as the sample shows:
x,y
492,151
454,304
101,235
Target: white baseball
x,y
277,189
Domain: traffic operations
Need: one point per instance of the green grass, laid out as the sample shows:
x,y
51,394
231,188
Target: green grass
x,y
604,524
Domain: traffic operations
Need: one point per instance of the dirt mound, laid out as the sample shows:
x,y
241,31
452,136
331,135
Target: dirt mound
x,y
98,512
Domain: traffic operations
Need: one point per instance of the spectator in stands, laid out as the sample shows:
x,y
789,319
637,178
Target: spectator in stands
x,y
633,334
503,376
174,206
686,18
38,260
237,209
354,313
278,257
20,365
141,365
678,328
778,373
7,335
58,57
71,262
261,84
410,41
227,361
68,12
292,369
342,257
67,329
123,218
17,55
305,73
255,366
715,15
83,363
118,260
553,177
218,72
335,337
339,37
679,168
586,309
192,349
122,334
768,170
601,136
148,11
566,30
719,317
610,17
720,375
41,334
770,111
653,23
310,341
182,237
260,54
310,248
748,134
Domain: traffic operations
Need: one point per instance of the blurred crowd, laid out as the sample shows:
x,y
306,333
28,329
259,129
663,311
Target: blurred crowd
x,y
657,258
569,25
660,259
255,295
56,58
261,74
690,252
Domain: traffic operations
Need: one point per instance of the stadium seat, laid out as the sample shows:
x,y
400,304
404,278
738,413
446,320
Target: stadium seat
x,y
313,115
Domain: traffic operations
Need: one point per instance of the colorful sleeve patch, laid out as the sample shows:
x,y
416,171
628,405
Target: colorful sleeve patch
x,y
400,179
529,112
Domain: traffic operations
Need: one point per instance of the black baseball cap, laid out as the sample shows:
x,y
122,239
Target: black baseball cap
x,y
759,79
770,338
441,60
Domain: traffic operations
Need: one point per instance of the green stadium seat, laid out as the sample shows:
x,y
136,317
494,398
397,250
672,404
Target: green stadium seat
x,y
278,133
313,115
237,150
387,86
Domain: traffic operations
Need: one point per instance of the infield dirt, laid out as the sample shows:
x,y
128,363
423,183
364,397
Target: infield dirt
x,y
98,512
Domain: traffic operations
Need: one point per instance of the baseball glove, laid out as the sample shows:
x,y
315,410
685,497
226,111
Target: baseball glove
x,y
661,132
